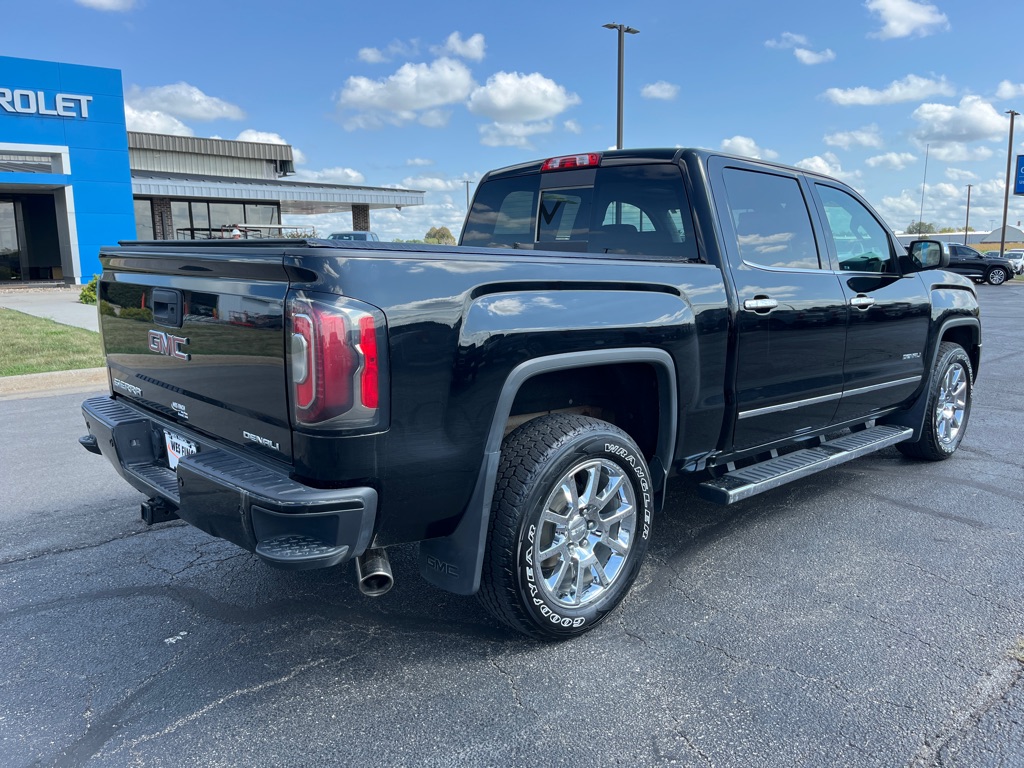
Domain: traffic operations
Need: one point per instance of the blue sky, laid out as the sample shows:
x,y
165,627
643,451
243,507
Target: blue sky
x,y
429,95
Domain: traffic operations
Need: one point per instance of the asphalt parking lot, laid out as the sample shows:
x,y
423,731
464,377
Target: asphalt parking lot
x,y
872,615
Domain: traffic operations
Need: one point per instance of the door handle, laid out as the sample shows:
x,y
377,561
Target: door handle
x,y
760,304
860,301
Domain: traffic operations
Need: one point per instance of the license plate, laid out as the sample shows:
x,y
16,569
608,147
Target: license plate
x,y
177,448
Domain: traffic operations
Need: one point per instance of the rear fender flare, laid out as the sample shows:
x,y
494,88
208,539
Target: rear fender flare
x,y
453,562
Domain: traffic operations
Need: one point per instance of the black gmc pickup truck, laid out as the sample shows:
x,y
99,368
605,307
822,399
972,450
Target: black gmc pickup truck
x,y
516,404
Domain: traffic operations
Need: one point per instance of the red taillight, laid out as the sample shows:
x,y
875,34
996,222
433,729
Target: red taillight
x,y
336,371
369,380
565,162
303,369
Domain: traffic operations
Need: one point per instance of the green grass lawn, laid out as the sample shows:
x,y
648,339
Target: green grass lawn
x,y
34,345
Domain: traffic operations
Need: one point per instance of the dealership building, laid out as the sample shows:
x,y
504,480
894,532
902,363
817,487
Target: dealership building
x,y
73,178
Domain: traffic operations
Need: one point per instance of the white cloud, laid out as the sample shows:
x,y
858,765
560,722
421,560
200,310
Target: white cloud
x,y
895,161
958,174
419,161
800,47
512,97
747,147
910,88
810,58
974,119
184,101
473,48
371,55
433,183
435,118
396,49
108,5
265,137
828,165
958,152
868,136
906,18
332,176
1008,90
512,134
787,40
398,97
573,127
660,90
153,121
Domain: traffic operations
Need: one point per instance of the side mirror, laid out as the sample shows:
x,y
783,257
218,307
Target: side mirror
x,y
928,254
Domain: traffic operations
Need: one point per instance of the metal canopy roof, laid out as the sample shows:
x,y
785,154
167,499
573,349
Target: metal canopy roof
x,y
294,197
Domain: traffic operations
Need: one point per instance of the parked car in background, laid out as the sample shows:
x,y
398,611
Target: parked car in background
x,y
1016,259
978,267
364,236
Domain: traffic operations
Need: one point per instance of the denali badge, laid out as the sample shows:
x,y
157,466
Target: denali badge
x,y
266,441
168,344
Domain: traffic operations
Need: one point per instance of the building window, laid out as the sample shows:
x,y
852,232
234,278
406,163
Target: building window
x,y
226,214
144,220
257,213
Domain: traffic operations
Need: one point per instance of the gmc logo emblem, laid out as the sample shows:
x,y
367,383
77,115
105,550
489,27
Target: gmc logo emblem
x,y
168,344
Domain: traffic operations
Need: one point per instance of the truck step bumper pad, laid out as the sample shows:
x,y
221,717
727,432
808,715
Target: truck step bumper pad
x,y
757,478
218,490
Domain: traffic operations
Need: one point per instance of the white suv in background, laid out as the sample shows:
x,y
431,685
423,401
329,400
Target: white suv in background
x,y
1016,258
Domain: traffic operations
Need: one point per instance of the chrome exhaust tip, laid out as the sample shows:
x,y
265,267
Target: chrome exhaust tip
x,y
373,572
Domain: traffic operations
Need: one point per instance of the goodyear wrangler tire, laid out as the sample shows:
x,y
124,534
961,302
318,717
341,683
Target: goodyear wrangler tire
x,y
950,391
569,526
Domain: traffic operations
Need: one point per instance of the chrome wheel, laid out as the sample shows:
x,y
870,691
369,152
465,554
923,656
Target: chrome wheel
x,y
997,276
951,404
585,532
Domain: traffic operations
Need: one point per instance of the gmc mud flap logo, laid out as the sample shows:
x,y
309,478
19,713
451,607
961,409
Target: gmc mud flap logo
x,y
168,344
448,569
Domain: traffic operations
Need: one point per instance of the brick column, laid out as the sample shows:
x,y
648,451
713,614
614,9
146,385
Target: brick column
x,y
361,218
163,226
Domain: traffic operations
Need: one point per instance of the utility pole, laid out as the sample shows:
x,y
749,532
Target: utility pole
x,y
967,224
467,182
1006,193
924,184
623,30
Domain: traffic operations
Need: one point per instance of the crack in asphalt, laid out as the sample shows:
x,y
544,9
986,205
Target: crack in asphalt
x,y
957,584
103,728
195,715
508,676
83,547
928,511
990,691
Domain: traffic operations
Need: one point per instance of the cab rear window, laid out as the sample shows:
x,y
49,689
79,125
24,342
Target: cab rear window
x,y
639,211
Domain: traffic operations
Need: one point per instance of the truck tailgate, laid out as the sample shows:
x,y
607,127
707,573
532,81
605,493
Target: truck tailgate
x,y
199,339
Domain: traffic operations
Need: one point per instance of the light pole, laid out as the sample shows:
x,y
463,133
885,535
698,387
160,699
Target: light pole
x,y
967,224
924,185
1006,193
623,31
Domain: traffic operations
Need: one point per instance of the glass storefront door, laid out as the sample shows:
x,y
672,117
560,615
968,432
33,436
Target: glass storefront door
x,y
10,244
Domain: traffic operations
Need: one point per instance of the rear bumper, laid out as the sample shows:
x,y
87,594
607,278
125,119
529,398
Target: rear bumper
x,y
229,495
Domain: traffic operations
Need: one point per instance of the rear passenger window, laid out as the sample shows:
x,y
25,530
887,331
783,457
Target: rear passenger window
x,y
638,211
772,223
503,213
861,243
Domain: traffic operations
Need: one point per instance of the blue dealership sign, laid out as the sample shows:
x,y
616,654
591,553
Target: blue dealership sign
x,y
63,166
1018,187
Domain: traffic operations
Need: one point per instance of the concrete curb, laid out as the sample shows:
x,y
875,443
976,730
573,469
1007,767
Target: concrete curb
x,y
53,383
